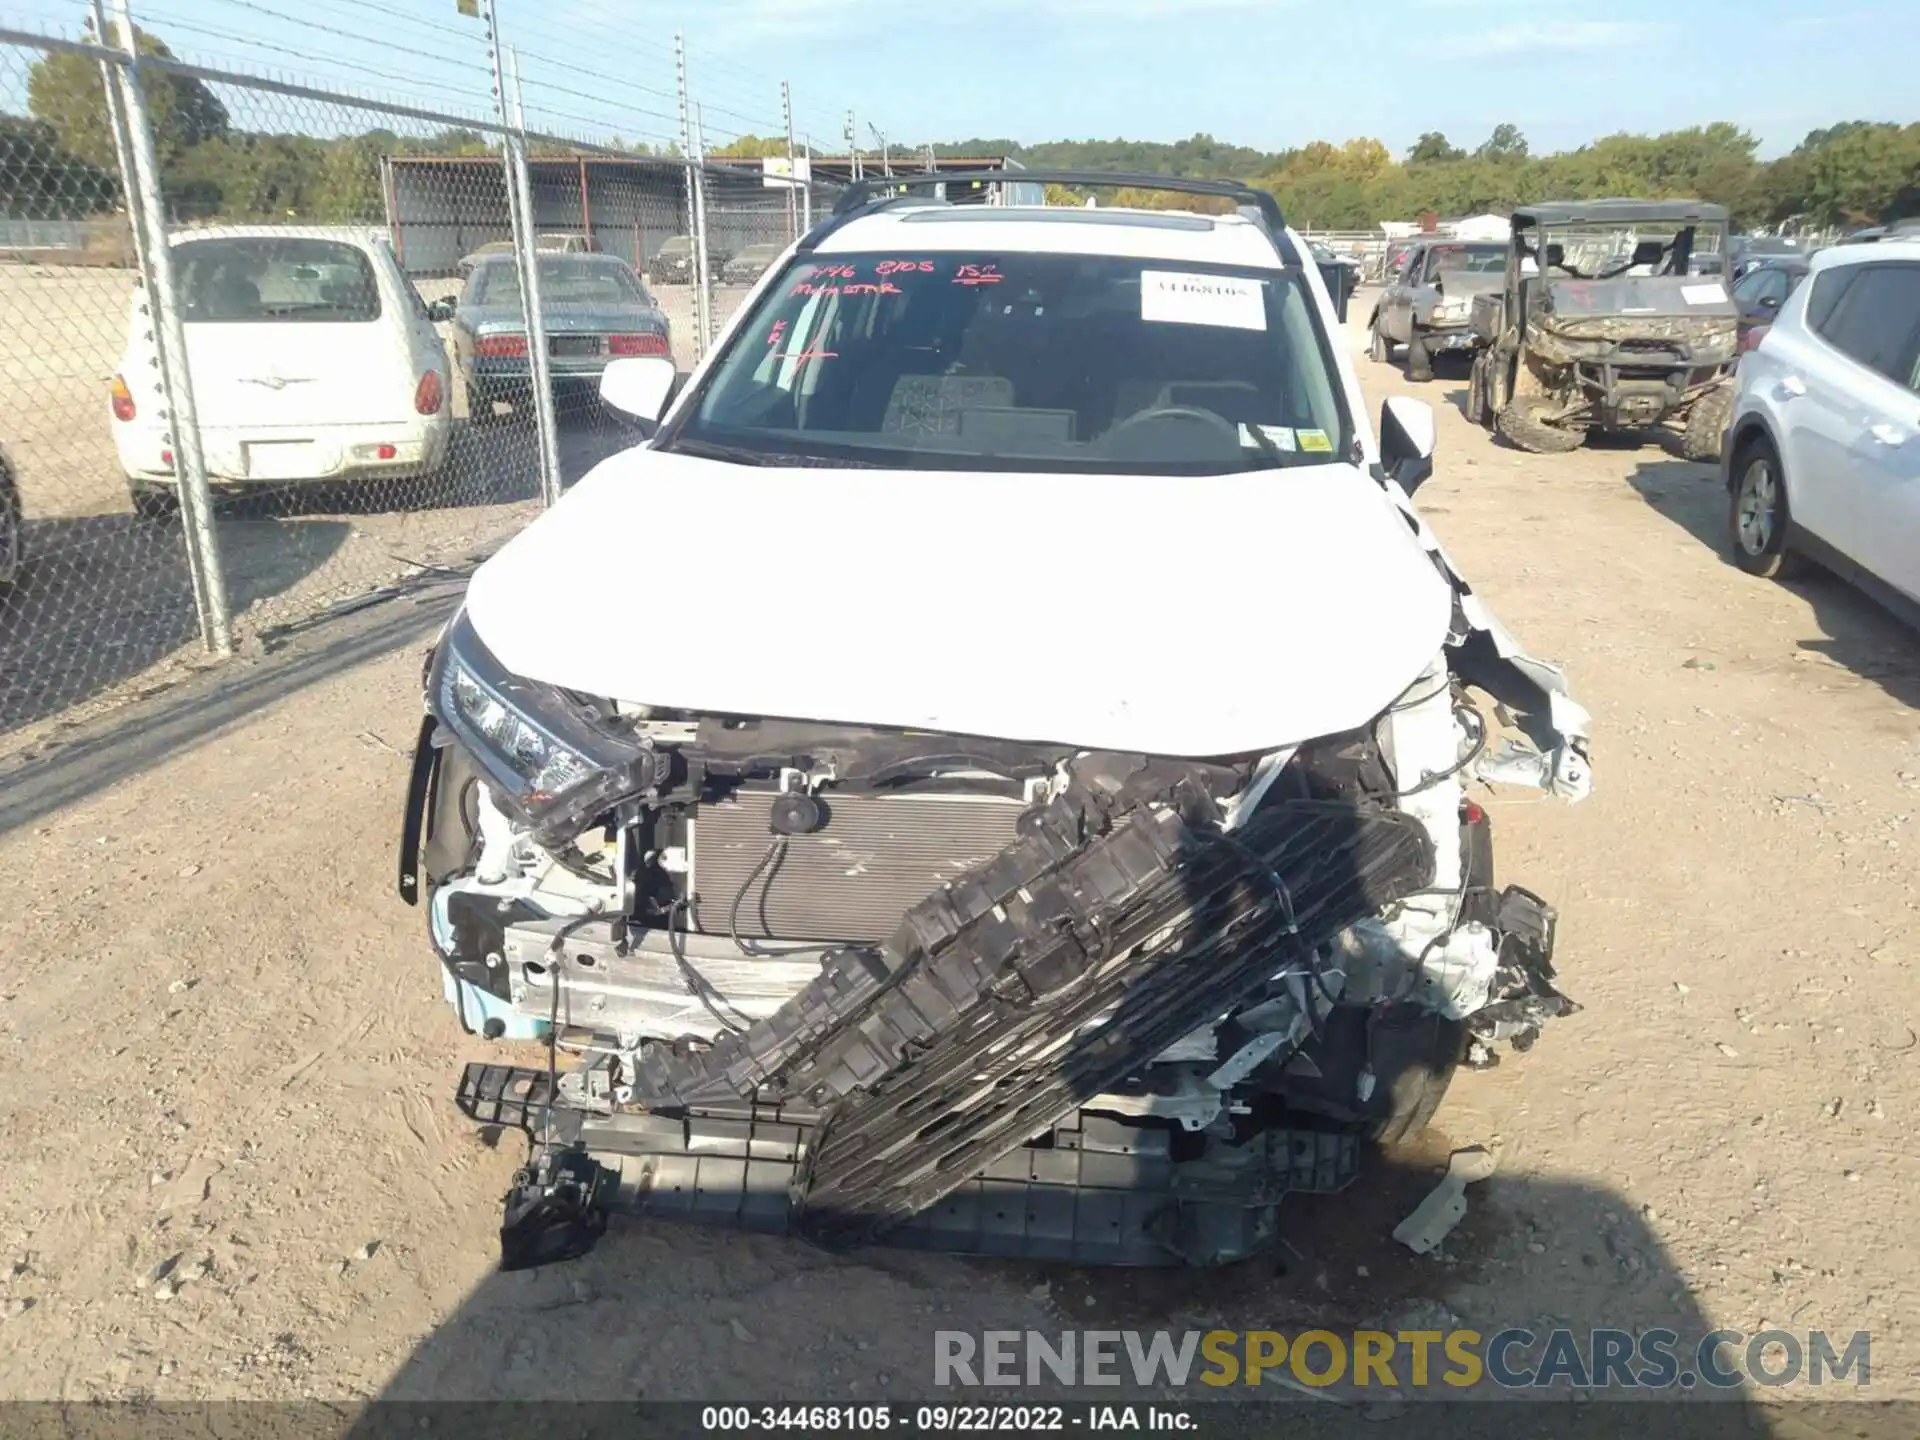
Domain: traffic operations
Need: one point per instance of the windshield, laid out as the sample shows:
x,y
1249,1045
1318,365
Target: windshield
x,y
1607,253
563,281
1024,362
1468,259
237,281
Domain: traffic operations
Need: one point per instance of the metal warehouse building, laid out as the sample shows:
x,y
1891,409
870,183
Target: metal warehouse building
x,y
441,208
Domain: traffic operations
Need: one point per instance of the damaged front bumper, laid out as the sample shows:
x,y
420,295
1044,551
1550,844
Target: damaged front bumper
x,y
1170,999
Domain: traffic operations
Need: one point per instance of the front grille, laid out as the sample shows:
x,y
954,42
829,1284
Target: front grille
x,y
876,857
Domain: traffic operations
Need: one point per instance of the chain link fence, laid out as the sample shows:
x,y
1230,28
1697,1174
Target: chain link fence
x,y
274,348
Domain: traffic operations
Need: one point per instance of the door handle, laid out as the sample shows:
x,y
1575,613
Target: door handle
x,y
1791,386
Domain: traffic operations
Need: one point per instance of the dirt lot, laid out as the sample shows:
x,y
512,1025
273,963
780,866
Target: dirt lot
x,y
107,606
223,1047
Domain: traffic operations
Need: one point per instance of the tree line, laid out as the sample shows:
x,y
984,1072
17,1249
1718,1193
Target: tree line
x,y
1858,172
58,161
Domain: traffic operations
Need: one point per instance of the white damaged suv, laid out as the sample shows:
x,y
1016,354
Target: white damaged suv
x,y
991,771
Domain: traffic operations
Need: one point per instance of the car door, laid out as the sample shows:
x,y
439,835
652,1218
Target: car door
x,y
1397,306
1855,419
1759,294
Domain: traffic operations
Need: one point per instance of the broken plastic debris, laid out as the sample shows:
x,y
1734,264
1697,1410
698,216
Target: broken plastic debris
x,y
1446,1204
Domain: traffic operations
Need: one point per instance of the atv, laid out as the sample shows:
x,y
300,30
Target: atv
x,y
1601,325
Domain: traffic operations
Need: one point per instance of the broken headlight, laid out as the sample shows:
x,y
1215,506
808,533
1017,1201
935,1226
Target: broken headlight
x,y
548,757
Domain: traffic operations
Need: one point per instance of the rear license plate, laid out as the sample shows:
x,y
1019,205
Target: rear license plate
x,y
574,345
280,459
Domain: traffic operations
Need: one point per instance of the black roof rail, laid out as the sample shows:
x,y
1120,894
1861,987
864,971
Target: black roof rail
x,y
861,192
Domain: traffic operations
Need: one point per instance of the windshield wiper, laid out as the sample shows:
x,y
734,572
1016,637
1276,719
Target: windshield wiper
x,y
746,455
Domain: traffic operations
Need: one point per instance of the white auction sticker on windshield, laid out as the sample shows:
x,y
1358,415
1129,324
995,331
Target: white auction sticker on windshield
x,y
1712,294
1175,298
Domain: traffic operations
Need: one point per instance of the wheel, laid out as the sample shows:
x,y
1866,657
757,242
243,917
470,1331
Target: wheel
x,y
1757,512
1414,1054
1518,424
1410,1052
1419,362
1379,347
1707,424
480,409
12,528
153,502
1477,390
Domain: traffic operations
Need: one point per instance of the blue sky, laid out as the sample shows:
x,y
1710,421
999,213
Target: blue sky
x,y
1267,73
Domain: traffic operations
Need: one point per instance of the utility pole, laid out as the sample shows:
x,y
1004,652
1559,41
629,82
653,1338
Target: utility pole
x,y
886,156
786,114
853,147
694,207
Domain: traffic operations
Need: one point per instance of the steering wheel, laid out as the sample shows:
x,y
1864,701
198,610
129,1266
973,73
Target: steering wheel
x,y
1192,413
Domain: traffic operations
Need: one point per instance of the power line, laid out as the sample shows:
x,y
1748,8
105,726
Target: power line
x,y
350,67
393,12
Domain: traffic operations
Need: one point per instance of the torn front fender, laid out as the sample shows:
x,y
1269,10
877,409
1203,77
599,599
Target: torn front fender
x,y
1483,652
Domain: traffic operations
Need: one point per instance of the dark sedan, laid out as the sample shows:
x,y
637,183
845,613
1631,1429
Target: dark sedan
x,y
1761,292
750,264
594,309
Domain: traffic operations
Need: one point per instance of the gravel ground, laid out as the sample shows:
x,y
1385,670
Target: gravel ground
x,y
224,1051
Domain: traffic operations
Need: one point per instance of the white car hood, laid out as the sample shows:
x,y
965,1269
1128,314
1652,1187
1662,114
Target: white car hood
x,y
1164,615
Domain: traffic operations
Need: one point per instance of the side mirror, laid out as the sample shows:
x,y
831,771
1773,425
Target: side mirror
x,y
639,386
442,309
1406,441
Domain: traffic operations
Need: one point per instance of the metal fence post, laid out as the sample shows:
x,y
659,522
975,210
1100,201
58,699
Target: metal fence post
x,y
695,209
703,262
527,250
146,207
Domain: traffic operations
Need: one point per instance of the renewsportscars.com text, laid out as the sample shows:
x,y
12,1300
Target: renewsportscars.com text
x,y
1454,1360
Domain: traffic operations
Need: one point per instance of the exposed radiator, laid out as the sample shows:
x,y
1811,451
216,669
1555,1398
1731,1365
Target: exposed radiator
x,y
876,857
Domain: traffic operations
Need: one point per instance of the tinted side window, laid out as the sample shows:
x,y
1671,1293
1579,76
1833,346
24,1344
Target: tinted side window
x,y
1827,291
1877,320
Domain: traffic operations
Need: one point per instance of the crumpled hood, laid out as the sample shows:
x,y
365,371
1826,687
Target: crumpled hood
x,y
1159,614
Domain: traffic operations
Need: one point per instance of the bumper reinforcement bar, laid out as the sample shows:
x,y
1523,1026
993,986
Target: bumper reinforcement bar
x,y
1093,1191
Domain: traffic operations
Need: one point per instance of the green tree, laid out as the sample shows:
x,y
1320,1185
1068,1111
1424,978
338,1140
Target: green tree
x,y
41,181
752,147
1505,143
67,93
1432,149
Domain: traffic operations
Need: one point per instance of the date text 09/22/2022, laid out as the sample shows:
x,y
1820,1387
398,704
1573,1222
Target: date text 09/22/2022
x,y
940,1419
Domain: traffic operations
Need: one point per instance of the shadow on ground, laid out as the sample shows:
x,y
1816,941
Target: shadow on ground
x,y
149,729
661,1311
1860,635
108,598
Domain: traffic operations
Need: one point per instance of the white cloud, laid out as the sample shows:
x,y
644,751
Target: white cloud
x,y
1530,35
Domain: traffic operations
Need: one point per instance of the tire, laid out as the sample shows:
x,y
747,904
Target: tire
x,y
153,502
1414,1057
1757,515
1477,390
1379,347
480,409
12,532
1516,423
1707,423
1419,362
